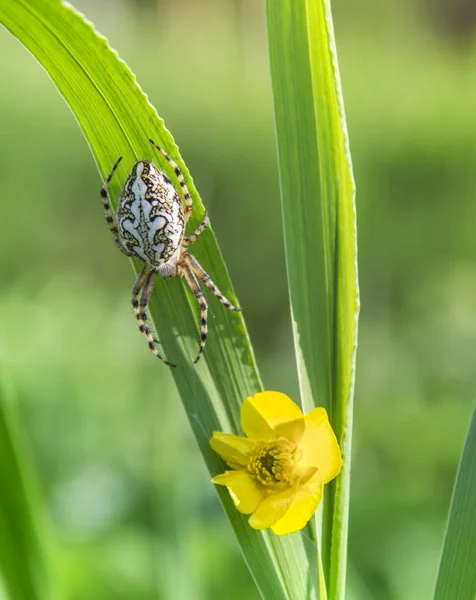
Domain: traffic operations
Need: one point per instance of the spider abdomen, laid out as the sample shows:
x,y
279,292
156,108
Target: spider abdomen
x,y
150,217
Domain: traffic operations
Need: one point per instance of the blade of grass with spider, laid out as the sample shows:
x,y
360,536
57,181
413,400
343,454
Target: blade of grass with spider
x,y
117,120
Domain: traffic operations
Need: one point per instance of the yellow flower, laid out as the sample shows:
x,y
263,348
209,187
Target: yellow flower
x,y
279,469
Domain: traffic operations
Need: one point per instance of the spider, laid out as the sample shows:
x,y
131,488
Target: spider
x,y
150,226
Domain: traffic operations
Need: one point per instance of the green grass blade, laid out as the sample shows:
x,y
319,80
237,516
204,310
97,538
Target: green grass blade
x,y
317,191
24,565
117,120
457,573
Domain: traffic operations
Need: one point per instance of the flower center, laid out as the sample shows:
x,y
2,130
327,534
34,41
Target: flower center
x,y
274,463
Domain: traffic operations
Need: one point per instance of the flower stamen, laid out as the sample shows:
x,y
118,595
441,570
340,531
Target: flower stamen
x,y
273,463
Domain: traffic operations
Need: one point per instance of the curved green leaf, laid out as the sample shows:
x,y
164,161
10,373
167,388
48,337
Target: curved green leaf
x,y
24,565
457,572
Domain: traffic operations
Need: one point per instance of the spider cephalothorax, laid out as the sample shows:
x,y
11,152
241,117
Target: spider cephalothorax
x,y
150,225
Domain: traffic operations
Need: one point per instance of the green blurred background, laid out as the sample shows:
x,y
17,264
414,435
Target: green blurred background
x,y
128,500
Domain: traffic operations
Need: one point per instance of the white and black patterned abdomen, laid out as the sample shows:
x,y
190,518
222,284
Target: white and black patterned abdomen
x,y
150,219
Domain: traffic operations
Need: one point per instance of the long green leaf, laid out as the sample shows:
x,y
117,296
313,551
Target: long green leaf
x,y
457,572
117,120
24,565
317,191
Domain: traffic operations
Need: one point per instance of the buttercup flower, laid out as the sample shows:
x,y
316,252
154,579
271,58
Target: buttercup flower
x,y
279,468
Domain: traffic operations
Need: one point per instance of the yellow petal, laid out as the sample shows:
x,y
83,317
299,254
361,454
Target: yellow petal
x,y
319,445
273,408
253,423
245,492
291,430
302,507
272,508
305,473
234,449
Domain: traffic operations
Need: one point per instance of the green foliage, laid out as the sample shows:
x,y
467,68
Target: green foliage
x,y
117,120
457,575
408,108
23,562
317,193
